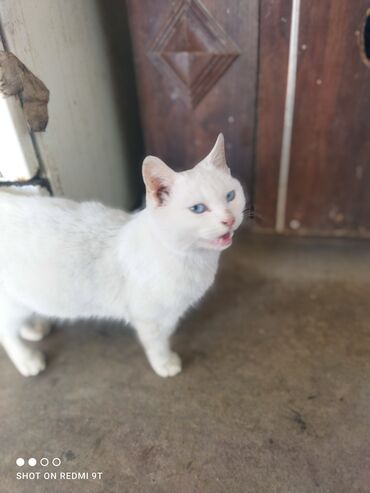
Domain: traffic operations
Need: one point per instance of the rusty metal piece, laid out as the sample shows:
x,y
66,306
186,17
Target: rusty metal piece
x,y
17,79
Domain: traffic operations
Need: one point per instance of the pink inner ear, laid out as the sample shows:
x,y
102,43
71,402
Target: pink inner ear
x,y
159,190
162,193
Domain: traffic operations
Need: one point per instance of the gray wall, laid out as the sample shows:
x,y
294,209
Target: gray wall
x,y
92,146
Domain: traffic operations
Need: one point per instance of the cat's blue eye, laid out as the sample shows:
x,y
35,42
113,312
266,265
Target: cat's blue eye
x,y
198,208
230,196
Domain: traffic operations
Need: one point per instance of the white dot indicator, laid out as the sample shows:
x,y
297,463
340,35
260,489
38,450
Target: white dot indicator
x,y
20,462
32,462
56,462
44,461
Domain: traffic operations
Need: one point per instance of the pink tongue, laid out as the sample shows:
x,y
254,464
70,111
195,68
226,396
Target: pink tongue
x,y
225,237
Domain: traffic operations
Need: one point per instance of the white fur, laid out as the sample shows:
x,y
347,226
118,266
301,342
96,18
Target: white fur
x,y
61,259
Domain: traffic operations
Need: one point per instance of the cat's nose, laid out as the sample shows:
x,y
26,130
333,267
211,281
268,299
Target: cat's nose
x,y
229,221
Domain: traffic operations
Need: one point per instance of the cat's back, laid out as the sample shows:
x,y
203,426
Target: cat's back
x,y
42,225
16,206
30,211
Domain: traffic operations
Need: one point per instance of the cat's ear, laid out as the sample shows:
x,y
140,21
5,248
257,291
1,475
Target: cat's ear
x,y
158,179
217,155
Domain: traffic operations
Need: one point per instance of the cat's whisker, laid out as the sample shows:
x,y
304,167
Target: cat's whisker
x,y
251,213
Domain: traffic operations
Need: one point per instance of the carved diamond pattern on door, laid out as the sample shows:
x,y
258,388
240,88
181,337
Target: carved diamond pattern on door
x,y
193,49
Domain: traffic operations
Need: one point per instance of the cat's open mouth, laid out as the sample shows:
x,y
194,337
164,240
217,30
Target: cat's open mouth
x,y
224,241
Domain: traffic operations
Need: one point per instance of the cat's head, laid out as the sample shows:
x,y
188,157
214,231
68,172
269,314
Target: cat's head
x,y
203,206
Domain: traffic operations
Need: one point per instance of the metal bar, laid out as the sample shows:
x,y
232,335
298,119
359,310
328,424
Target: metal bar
x,y
288,118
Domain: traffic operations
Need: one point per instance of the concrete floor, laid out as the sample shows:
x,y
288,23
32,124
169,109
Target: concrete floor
x,y
274,396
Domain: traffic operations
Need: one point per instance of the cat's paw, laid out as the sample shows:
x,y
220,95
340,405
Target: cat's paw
x,y
35,330
31,362
167,366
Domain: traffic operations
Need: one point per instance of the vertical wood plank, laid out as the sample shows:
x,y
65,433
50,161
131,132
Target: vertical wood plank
x,y
329,185
175,130
18,161
273,67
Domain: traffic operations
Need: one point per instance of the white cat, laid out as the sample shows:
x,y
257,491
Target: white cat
x,y
62,259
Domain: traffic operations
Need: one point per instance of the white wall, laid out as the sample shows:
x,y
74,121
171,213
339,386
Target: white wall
x,y
63,43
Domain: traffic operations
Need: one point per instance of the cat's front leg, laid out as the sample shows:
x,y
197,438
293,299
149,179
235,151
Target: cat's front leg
x,y
13,316
35,329
156,343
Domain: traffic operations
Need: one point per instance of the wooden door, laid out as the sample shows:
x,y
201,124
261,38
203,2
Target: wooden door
x,y
197,75
196,65
328,186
